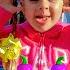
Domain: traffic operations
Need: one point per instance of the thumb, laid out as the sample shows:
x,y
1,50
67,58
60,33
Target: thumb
x,y
13,65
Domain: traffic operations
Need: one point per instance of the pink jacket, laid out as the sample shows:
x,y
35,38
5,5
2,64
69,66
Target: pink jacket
x,y
42,49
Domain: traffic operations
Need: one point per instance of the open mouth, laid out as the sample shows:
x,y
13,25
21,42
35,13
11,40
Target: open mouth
x,y
42,19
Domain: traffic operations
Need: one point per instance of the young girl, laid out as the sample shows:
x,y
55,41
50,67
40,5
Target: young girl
x,y
42,35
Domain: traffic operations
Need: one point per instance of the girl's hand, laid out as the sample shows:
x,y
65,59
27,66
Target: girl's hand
x,y
10,65
7,5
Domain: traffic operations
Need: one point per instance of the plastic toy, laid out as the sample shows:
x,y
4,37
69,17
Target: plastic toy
x,y
59,65
24,65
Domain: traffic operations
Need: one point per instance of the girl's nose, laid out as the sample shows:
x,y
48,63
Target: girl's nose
x,y
43,4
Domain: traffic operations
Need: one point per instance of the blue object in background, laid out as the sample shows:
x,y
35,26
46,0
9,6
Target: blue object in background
x,y
1,67
66,17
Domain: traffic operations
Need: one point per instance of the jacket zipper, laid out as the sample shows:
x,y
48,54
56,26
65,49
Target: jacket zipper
x,y
41,50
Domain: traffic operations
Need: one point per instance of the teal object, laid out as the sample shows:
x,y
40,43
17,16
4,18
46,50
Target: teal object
x,y
1,69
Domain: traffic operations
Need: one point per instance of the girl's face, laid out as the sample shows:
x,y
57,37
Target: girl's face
x,y
42,14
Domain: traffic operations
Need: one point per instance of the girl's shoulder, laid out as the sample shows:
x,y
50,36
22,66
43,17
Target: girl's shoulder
x,y
65,30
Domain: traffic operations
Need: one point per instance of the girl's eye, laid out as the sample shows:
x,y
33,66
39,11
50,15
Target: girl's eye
x,y
53,1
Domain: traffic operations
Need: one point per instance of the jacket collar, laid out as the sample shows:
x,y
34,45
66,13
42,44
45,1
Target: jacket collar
x,y
33,34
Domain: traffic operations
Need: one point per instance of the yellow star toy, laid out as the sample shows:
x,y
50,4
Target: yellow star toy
x,y
10,48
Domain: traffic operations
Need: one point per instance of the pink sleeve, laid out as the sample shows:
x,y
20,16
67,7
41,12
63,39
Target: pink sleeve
x,y
4,16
